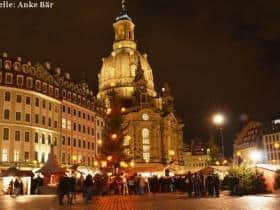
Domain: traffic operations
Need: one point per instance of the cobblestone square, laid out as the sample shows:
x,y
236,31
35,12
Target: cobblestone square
x,y
146,202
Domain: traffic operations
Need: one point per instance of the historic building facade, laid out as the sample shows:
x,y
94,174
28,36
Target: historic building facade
x,y
271,142
247,142
40,107
153,133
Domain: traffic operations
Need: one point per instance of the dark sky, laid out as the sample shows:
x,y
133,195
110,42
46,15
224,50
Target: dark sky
x,y
217,55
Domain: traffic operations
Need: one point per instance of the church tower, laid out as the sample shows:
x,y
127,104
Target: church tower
x,y
119,69
152,133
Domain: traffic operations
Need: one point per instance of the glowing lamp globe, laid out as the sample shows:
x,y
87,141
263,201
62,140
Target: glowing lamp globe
x,y
218,119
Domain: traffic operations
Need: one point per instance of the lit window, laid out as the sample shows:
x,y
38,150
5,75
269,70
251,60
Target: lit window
x,y
146,144
146,148
146,156
63,123
26,156
4,155
16,155
69,124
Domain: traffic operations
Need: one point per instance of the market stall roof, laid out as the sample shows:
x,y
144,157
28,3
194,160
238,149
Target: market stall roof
x,y
207,170
51,166
151,168
13,171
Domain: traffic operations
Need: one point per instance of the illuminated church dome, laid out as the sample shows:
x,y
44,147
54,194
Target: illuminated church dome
x,y
118,70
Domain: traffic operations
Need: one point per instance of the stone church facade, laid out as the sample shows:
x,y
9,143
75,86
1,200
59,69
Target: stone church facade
x,y
153,133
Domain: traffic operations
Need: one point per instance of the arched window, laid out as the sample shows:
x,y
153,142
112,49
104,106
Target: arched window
x,y
146,144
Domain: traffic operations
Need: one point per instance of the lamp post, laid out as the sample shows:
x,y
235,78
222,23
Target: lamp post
x,y
218,120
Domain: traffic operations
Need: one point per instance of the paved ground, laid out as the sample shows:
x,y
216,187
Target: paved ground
x,y
147,202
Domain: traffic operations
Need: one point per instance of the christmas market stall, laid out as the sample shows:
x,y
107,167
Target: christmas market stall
x,y
13,176
51,171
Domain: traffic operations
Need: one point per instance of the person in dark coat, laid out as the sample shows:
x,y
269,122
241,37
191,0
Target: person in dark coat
x,y
196,185
72,190
63,188
88,188
210,185
217,185
154,184
189,184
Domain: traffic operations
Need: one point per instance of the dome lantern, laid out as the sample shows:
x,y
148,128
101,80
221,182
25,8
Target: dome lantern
x,y
124,30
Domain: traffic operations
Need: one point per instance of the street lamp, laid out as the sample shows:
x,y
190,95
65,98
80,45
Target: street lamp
x,y
218,120
256,156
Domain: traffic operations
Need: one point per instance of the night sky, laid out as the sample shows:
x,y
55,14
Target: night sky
x,y
217,55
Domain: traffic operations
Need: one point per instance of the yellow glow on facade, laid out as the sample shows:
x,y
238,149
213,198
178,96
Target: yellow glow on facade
x,y
123,109
114,136
99,142
95,163
109,111
74,158
104,164
132,164
276,145
171,152
123,164
109,158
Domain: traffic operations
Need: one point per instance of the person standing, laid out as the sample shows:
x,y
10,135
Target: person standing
x,y
125,186
63,189
217,185
196,184
88,188
154,184
72,190
189,184
210,185
142,185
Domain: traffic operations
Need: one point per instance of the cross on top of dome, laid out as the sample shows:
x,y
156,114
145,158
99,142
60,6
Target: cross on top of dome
x,y
123,15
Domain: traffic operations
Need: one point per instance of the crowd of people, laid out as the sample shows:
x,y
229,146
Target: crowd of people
x,y
15,187
195,185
